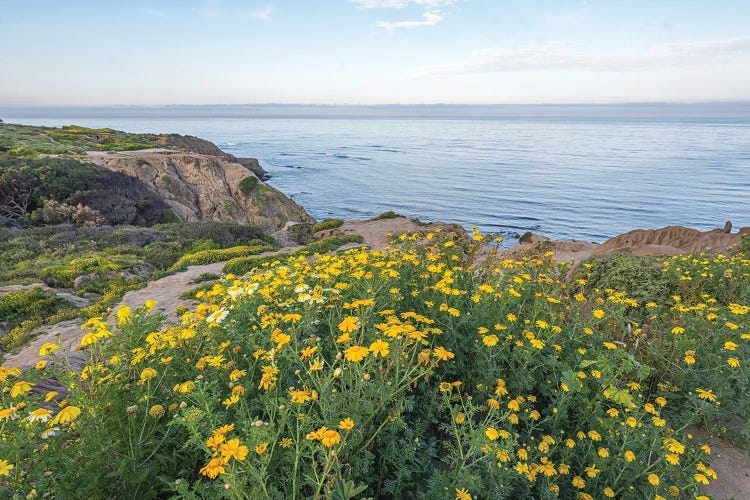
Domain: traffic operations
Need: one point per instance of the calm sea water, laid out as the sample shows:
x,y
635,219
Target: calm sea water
x,y
588,179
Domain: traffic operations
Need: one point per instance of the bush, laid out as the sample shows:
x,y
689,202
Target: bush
x,y
247,184
327,224
212,256
27,184
244,264
52,212
390,214
406,373
63,274
223,233
638,277
34,303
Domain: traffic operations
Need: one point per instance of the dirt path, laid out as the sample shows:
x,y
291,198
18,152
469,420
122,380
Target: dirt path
x,y
732,465
375,233
166,292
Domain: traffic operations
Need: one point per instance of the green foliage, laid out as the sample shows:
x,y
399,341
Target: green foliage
x,y
117,259
63,273
242,265
247,184
330,244
327,224
206,277
51,189
212,256
639,277
408,373
389,214
34,304
194,292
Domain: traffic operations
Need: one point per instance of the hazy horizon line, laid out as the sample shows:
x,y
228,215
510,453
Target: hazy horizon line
x,y
727,109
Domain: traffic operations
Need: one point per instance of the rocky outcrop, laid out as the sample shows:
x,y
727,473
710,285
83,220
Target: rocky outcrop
x,y
200,187
203,147
670,240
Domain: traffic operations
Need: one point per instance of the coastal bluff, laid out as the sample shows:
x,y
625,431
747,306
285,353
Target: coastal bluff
x,y
116,177
200,187
669,240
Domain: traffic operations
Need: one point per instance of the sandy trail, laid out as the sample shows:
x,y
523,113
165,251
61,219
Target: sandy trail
x,y
166,292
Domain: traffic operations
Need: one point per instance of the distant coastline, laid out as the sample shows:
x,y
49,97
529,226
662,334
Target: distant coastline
x,y
662,111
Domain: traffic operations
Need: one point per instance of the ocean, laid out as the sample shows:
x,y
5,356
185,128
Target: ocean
x,y
582,178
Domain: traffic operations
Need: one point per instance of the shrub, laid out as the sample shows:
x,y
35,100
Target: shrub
x,y
212,256
34,303
241,265
247,184
404,373
327,224
52,212
639,277
389,214
63,274
26,184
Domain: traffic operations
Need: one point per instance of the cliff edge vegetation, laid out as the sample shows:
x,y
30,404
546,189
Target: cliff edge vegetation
x,y
87,214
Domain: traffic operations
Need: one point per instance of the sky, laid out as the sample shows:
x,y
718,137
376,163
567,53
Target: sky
x,y
148,52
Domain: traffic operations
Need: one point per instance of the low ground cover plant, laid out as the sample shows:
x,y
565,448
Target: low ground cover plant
x,y
404,373
104,261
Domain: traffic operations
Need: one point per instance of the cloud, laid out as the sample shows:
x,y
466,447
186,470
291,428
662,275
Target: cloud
x,y
430,19
397,4
215,10
564,55
263,14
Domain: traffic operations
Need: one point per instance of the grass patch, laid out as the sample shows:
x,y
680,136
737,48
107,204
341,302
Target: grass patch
x,y
206,277
28,304
242,265
389,214
327,224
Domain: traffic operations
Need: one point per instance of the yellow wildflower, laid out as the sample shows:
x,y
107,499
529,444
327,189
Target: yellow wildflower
x,y
146,375
156,411
356,353
708,395
269,378
213,468
48,348
347,424
330,438
20,388
349,324
5,467
730,346
67,414
463,494
123,315
443,354
233,449
380,347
